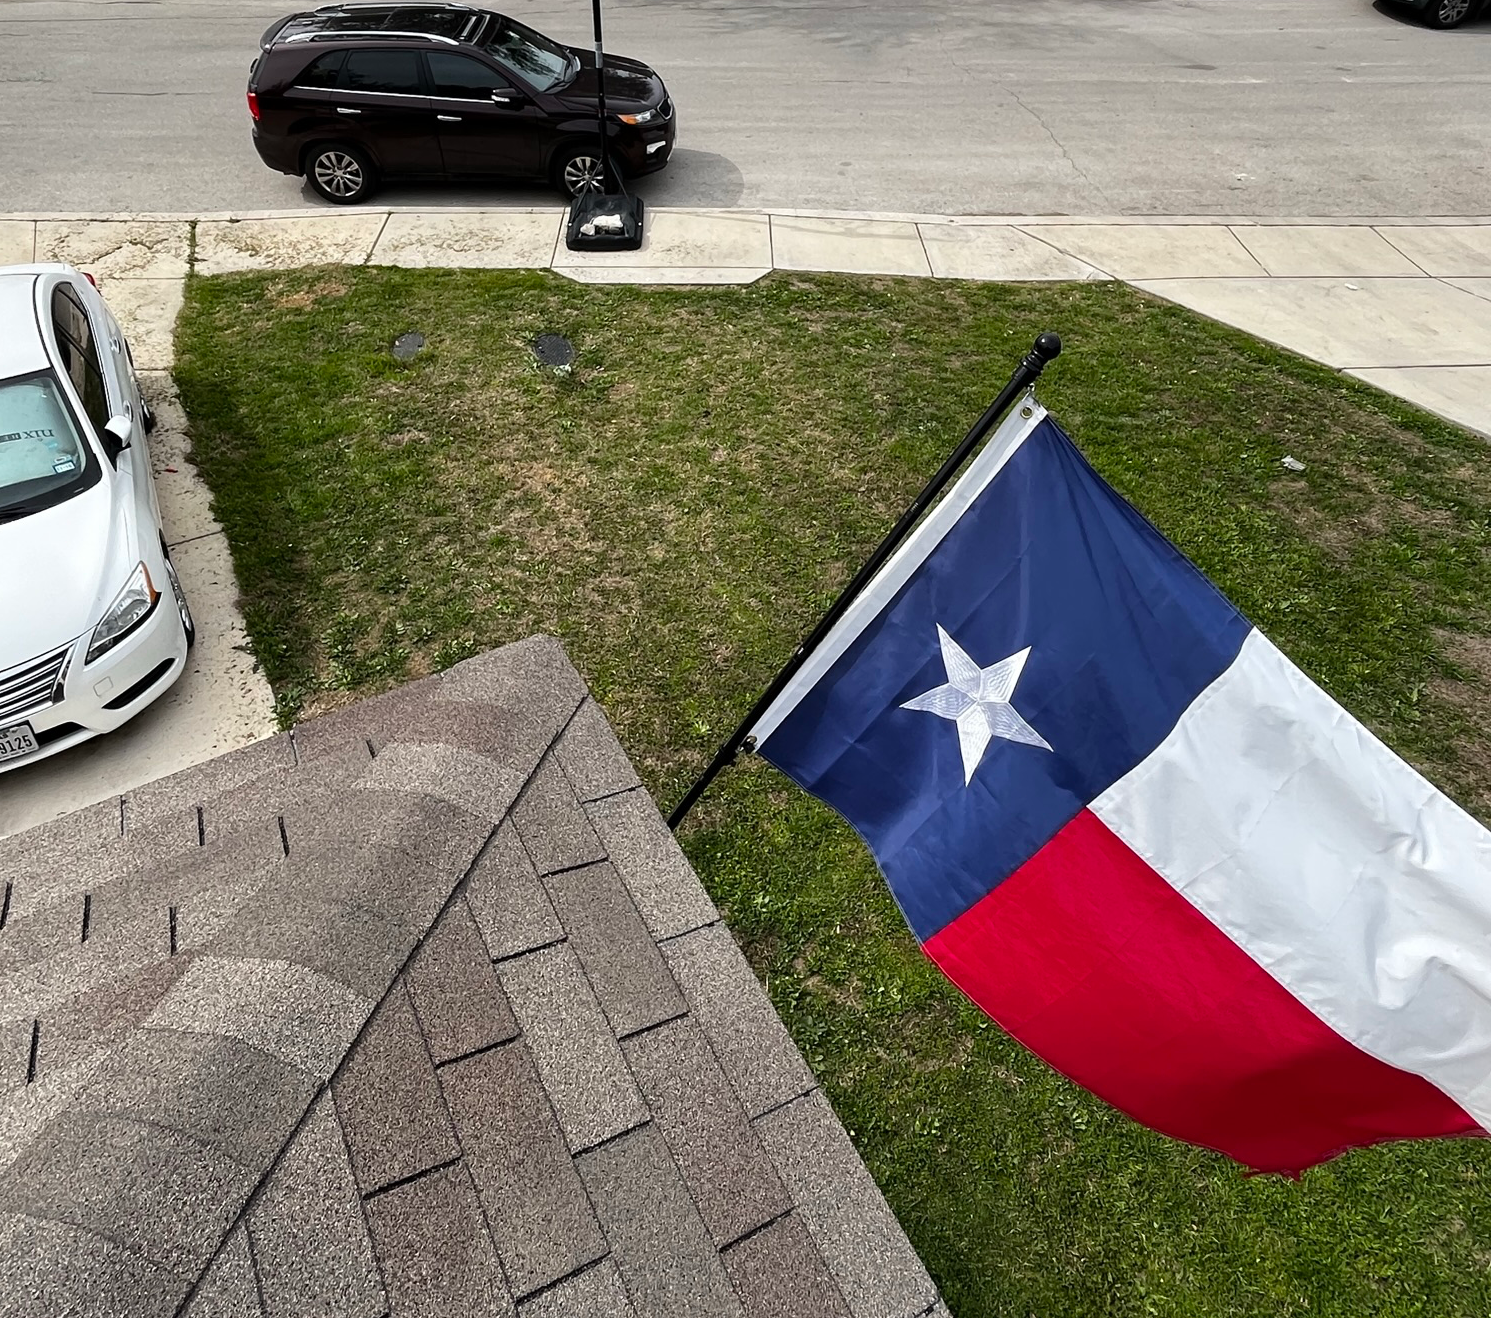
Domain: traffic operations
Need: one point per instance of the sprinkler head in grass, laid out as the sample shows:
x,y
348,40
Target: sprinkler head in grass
x,y
406,345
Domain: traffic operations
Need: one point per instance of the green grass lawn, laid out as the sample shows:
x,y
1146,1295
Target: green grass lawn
x,y
680,508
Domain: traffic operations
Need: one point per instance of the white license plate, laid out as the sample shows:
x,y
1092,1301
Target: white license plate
x,y
16,740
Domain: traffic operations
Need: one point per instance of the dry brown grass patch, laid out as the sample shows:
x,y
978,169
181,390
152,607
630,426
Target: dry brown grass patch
x,y
305,297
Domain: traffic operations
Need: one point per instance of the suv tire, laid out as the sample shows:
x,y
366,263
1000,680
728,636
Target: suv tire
x,y
1447,13
577,163
340,173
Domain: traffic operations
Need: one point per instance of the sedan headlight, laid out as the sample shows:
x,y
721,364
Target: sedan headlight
x,y
646,117
130,608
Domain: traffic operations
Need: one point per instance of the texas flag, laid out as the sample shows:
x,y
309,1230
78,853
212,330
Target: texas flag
x,y
1137,836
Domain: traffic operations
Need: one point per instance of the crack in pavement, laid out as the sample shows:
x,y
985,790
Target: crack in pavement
x,y
1060,146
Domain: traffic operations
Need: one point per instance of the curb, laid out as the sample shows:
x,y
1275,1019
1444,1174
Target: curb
x,y
904,217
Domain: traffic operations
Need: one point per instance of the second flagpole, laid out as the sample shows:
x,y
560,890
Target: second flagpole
x,y
1045,350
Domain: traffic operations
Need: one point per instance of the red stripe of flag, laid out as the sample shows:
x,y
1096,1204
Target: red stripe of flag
x,y
1095,963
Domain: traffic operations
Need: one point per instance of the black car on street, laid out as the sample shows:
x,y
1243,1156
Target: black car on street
x,y
351,94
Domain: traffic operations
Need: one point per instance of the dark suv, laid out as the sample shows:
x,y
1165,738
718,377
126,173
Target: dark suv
x,y
352,93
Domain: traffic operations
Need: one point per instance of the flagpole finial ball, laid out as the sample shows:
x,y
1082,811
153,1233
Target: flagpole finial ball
x,y
1048,346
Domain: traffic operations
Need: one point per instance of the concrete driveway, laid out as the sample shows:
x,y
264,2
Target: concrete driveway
x,y
1029,107
222,700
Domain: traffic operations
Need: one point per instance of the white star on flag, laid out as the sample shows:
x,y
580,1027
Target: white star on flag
x,y
978,701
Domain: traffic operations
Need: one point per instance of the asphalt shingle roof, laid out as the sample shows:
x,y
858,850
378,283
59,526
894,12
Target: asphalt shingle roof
x,y
415,1010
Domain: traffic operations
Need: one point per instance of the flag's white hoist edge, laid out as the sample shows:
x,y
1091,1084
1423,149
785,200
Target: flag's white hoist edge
x,y
914,551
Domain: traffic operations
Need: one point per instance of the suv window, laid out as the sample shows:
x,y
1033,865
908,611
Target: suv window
x,y
459,77
395,71
530,55
80,355
323,70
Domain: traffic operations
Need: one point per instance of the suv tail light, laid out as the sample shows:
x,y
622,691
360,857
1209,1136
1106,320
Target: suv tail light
x,y
253,101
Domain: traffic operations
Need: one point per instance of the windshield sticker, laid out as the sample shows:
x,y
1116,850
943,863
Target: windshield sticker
x,y
64,465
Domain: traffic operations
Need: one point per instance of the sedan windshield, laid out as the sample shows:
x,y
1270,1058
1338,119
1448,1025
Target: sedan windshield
x,y
43,460
541,63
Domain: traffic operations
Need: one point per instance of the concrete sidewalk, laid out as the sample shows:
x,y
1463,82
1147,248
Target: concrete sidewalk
x,y
1404,304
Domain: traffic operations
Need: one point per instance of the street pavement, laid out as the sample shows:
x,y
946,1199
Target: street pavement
x,y
956,107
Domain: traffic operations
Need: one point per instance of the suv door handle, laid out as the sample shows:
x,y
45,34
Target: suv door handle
x,y
342,109
449,118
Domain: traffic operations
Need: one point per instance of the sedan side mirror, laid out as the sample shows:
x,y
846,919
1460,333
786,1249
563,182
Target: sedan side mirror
x,y
510,97
119,431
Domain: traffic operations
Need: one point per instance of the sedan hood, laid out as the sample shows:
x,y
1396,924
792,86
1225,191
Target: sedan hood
x,y
58,575
630,84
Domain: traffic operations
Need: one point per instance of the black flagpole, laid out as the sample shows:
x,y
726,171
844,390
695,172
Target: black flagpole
x,y
600,92
608,219
1045,350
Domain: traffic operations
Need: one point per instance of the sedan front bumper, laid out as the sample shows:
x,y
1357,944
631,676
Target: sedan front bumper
x,y
101,696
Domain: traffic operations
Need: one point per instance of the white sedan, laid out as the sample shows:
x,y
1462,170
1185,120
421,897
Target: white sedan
x,y
93,622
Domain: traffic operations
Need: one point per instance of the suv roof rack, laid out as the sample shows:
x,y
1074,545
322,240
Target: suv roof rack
x,y
441,21
344,34
352,6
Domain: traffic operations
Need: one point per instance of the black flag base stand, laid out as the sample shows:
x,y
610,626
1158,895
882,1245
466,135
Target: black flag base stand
x,y
1044,351
604,222
608,220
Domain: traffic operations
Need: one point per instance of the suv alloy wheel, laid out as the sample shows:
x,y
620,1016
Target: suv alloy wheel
x,y
339,172
578,170
1447,13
